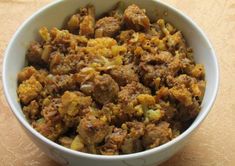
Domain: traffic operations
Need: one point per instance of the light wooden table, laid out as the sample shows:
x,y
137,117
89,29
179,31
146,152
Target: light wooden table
x,y
212,145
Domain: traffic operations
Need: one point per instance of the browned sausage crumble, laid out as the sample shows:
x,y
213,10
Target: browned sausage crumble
x,y
116,85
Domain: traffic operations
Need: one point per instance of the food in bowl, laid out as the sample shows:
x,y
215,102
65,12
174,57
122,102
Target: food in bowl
x,y
117,85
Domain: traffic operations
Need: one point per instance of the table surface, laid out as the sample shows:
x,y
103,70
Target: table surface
x,y
212,144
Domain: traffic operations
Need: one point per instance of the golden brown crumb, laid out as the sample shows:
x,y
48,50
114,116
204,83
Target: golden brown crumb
x,y
29,90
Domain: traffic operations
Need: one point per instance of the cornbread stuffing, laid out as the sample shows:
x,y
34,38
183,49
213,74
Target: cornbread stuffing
x,y
112,85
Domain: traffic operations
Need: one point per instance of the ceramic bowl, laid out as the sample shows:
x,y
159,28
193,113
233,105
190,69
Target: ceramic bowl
x,y
53,15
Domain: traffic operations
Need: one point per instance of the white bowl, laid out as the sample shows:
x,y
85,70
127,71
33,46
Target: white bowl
x,y
53,15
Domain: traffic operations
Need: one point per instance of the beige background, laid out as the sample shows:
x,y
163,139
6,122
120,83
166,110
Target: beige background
x,y
213,144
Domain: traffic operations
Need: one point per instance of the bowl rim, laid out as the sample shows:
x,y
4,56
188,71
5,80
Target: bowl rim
x,y
52,144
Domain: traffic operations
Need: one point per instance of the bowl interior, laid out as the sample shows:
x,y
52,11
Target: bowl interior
x,y
54,16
